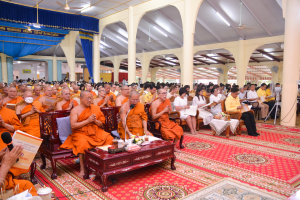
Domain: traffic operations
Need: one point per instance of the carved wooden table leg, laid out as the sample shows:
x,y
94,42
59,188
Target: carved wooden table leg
x,y
43,166
87,172
104,182
173,163
227,131
54,174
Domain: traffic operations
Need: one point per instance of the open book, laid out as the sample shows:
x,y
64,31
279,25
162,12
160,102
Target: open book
x,y
11,106
191,111
245,108
262,99
30,144
210,105
49,101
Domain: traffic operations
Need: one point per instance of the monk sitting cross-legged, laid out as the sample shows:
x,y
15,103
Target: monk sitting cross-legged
x,y
66,103
37,93
136,122
86,122
160,110
123,98
48,94
30,110
12,97
101,100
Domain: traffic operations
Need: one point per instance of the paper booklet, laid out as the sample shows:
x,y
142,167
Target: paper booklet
x,y
11,106
191,111
223,98
262,99
245,108
209,105
30,144
49,101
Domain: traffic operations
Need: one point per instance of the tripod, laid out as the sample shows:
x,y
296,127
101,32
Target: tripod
x,y
277,94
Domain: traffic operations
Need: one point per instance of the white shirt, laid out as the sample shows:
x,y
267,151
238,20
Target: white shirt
x,y
218,108
169,95
241,95
115,92
197,102
101,81
252,95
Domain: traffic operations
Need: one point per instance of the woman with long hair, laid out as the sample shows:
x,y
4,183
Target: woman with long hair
x,y
200,101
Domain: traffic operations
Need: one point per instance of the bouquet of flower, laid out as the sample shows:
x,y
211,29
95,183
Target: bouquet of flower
x,y
137,140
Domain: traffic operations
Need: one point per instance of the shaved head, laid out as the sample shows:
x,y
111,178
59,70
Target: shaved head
x,y
63,91
132,93
27,94
84,92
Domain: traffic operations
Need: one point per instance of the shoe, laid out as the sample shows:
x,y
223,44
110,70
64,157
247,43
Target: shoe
x,y
254,135
257,133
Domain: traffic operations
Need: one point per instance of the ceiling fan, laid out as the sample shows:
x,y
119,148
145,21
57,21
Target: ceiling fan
x,y
66,7
242,26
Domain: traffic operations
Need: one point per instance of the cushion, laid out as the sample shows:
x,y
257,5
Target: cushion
x,y
64,128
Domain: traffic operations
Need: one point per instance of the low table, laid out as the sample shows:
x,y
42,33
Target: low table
x,y
219,126
107,164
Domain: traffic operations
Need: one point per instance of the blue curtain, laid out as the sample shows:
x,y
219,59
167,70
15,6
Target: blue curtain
x,y
87,47
15,13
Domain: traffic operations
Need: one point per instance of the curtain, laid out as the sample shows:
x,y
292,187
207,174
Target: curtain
x,y
121,76
87,47
15,13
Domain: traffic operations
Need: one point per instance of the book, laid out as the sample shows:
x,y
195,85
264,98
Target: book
x,y
191,111
209,105
245,108
11,106
262,99
30,144
49,101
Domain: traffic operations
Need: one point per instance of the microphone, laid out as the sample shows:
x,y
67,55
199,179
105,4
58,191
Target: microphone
x,y
6,137
132,106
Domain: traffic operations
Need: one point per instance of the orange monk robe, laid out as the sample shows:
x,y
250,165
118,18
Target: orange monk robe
x,y
67,104
94,94
102,101
31,124
14,101
45,106
125,100
38,98
11,183
114,97
77,93
59,90
169,129
134,121
90,135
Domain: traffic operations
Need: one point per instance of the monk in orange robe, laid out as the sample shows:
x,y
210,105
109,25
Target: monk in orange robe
x,y
48,94
76,91
123,98
136,122
30,114
101,100
90,89
66,103
160,110
37,93
21,90
112,96
5,91
86,122
12,97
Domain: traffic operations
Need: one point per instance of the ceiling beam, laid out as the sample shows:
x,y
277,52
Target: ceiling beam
x,y
206,63
218,9
155,38
260,70
256,17
209,29
225,56
268,54
170,61
117,42
162,63
252,58
218,61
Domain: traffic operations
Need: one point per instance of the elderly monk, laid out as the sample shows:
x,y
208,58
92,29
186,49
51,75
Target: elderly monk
x,y
12,97
5,91
22,89
160,110
66,103
86,122
136,122
101,100
29,111
76,91
123,98
90,88
57,87
48,94
112,96
37,93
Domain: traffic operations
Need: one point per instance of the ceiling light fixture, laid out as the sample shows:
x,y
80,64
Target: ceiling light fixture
x,y
122,39
223,19
160,31
210,54
211,60
37,25
267,57
28,28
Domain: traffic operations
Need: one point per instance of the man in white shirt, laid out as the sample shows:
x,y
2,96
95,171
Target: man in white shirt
x,y
101,81
124,82
243,95
253,99
113,89
215,97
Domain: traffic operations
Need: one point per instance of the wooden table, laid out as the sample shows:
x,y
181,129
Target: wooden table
x,y
107,164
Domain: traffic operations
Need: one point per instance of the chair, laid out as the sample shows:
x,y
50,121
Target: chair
x,y
51,142
235,115
257,110
33,164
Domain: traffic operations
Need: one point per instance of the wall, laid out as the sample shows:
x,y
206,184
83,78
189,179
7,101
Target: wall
x,y
20,67
65,68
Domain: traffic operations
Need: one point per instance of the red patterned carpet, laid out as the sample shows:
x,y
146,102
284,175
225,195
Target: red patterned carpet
x,y
270,162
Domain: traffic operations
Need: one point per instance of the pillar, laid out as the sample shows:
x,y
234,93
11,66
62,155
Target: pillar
x,y
153,72
59,70
188,45
96,58
280,65
54,68
290,62
131,47
68,46
4,68
50,70
86,73
10,70
241,63
223,78
145,62
116,63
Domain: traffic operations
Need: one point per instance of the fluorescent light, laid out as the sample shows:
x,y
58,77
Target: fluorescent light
x,y
87,8
170,63
36,25
38,72
122,39
19,62
210,54
169,58
211,60
223,19
160,31
267,57
103,43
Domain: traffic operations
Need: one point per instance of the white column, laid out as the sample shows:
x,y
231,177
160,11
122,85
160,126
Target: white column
x,y
116,63
290,62
280,65
96,58
54,60
188,46
4,68
153,74
241,63
131,47
145,62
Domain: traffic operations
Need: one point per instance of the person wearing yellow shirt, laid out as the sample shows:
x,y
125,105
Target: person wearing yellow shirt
x,y
151,95
262,92
232,103
269,93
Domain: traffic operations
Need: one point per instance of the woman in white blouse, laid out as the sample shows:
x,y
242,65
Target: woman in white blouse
x,y
181,103
200,101
172,92
215,97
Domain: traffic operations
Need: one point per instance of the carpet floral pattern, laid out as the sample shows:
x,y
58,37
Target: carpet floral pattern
x,y
270,162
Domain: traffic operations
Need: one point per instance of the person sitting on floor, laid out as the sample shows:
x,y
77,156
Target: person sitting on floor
x,y
86,122
66,103
232,103
160,110
101,100
200,101
123,98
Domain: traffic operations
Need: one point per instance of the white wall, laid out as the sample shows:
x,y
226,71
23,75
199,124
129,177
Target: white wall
x,y
21,66
65,68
